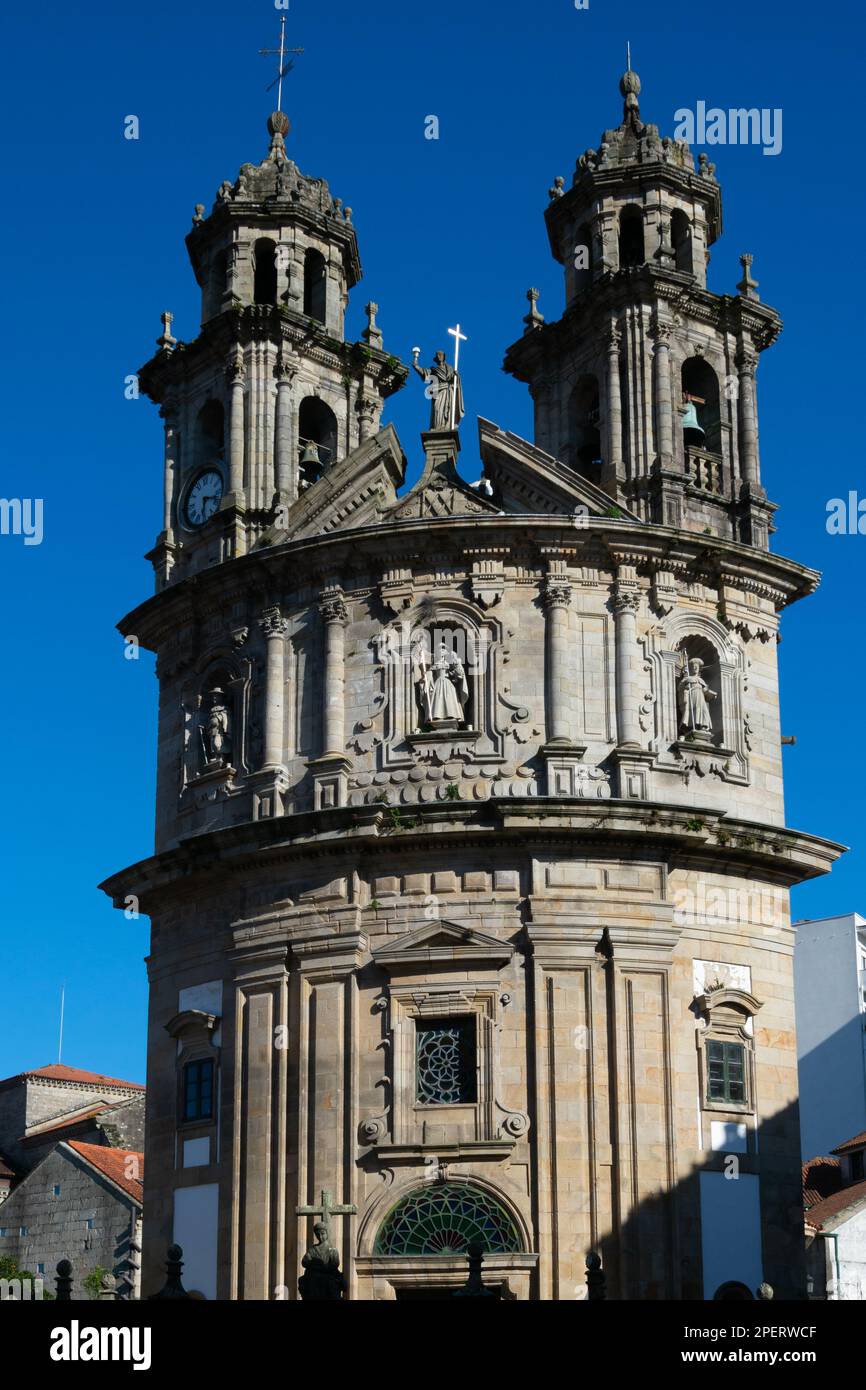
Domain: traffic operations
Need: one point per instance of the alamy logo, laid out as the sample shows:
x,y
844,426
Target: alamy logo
x,y
21,1290
22,517
736,126
77,1343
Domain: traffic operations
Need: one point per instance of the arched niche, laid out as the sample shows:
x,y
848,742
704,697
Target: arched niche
x,y
315,284
265,271
681,240
221,681
631,236
317,439
700,387
699,662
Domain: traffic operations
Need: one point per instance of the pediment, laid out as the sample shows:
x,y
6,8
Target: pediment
x,y
441,942
440,491
526,479
354,492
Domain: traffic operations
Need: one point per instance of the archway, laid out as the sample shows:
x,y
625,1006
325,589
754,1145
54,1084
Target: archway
x,y
443,1218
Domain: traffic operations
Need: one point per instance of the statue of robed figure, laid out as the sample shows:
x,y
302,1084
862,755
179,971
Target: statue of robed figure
x,y
694,696
444,389
442,686
322,1280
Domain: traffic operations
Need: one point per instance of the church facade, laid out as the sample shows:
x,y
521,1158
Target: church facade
x,y
469,902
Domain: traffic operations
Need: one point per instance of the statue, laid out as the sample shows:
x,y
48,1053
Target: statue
x,y
694,694
445,390
322,1279
215,731
442,686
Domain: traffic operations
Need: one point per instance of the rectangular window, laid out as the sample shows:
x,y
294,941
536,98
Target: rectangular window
x,y
89,1223
445,1061
22,1230
198,1090
726,1072
40,1269
57,1189
857,1167
4,1230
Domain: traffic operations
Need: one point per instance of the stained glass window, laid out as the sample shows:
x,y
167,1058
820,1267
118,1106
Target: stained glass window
x,y
726,1066
443,1219
445,1057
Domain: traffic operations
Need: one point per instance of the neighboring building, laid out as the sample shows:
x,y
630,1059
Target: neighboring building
x,y
830,983
835,1201
39,1108
7,1179
469,898
82,1202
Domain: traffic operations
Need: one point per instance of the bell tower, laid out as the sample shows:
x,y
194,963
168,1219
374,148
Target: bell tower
x,y
646,385
270,395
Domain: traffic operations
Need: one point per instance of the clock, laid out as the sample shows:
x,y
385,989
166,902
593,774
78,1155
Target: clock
x,y
203,498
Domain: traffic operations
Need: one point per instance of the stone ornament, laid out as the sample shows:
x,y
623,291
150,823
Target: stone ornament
x,y
441,685
694,695
215,732
444,389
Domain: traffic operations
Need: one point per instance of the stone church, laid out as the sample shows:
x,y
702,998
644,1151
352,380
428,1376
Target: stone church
x,y
469,901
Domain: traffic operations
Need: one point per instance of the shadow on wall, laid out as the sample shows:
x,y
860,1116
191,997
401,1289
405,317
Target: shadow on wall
x,y
833,1089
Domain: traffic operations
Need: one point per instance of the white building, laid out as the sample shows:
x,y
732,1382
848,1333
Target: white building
x,y
836,1225
830,993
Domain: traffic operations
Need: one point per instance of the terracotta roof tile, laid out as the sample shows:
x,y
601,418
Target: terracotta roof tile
x,y
58,1071
821,1178
839,1202
113,1163
856,1143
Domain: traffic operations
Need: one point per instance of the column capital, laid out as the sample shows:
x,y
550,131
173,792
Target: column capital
x,y
746,361
555,595
333,608
625,601
273,624
236,368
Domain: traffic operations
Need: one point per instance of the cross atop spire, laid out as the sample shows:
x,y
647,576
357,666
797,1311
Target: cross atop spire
x,y
283,67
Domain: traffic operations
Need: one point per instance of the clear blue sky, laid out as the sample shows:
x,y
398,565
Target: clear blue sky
x,y
93,250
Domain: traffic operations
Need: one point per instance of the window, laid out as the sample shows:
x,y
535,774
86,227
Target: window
x,y
444,1219
726,1072
265,271
445,1061
315,282
22,1231
4,1230
56,1189
198,1091
317,439
857,1167
631,248
40,1269
89,1223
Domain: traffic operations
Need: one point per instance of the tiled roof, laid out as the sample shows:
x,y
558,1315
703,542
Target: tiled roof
x,y
113,1163
821,1178
823,1212
5,1170
60,1072
856,1143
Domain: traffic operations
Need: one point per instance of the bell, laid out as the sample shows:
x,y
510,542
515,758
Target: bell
x,y
692,431
311,453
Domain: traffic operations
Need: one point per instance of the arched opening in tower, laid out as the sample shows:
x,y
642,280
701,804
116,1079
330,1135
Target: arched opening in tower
x,y
681,240
210,434
314,285
584,429
631,243
702,426
317,439
265,272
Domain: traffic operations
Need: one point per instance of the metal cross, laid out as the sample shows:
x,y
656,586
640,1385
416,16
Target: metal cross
x,y
458,339
326,1209
284,67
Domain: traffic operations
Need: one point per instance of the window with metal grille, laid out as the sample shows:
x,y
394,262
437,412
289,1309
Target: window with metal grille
x,y
726,1072
445,1063
198,1091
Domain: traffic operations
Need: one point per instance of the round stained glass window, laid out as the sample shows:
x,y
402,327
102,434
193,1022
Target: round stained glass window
x,y
443,1219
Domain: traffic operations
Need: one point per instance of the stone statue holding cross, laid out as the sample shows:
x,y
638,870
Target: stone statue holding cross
x,y
443,385
322,1280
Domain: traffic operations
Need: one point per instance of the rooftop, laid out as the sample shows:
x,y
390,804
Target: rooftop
x,y
58,1071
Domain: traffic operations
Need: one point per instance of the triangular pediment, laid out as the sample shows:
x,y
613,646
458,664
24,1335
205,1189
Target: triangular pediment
x,y
526,479
440,491
441,942
354,492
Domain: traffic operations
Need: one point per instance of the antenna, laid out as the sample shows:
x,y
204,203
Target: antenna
x,y
60,1041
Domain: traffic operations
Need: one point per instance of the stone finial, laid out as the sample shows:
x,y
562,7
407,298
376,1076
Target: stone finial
x,y
557,189
279,126
63,1282
748,287
198,214
166,339
533,319
347,214
372,334
173,1287
629,86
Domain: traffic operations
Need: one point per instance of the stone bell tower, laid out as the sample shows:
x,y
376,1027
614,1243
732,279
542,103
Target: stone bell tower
x,y
646,385
269,394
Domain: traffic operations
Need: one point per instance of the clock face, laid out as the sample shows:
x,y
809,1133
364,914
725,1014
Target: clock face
x,y
203,498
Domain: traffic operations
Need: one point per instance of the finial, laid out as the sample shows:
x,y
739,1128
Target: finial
x,y
372,334
558,188
533,319
748,287
166,339
629,86
279,126
198,214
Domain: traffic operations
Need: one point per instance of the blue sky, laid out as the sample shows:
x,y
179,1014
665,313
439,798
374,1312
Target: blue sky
x,y
93,252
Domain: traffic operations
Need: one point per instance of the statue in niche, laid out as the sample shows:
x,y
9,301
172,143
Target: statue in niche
x,y
215,731
444,389
442,686
322,1279
694,696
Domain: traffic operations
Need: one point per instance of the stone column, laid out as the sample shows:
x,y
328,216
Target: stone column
x,y
614,471
334,616
365,405
625,605
237,379
556,598
284,451
748,420
274,626
169,415
662,393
